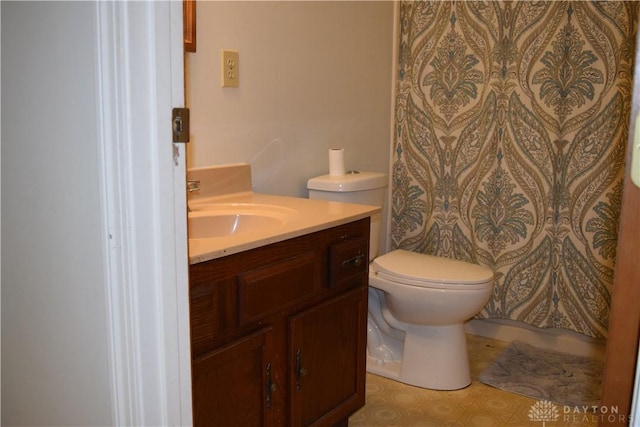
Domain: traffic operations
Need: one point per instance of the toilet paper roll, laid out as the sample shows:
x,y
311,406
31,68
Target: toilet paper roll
x,y
336,161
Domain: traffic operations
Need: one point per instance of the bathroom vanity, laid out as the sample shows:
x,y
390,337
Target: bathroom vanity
x,y
279,332
278,318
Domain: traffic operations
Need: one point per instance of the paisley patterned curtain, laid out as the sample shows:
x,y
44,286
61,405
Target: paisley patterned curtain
x,y
511,126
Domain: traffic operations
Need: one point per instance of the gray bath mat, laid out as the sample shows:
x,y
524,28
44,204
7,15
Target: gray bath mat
x,y
544,374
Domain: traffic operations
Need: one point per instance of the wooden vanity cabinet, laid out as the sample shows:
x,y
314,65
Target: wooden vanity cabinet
x,y
278,333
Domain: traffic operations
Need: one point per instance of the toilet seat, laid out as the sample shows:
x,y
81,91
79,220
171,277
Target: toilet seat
x,y
415,269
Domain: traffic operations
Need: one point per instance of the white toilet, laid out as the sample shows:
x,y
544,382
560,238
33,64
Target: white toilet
x,y
417,303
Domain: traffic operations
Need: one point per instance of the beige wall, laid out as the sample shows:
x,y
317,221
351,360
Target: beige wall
x,y
313,75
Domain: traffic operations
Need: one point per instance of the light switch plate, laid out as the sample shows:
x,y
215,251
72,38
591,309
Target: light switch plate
x,y
230,68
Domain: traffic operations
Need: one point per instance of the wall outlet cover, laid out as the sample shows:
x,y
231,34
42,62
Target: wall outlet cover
x,y
230,68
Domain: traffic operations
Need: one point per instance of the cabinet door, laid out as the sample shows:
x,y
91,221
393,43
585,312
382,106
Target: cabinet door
x,y
231,385
327,356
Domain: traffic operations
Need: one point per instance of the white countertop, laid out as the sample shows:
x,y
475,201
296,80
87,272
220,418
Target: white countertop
x,y
308,216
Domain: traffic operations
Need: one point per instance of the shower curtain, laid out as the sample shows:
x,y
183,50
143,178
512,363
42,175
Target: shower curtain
x,y
510,131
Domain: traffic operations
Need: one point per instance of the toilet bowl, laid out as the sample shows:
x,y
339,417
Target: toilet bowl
x,y
417,303
418,337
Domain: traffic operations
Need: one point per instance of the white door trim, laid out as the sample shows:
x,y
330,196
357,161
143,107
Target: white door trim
x,y
140,78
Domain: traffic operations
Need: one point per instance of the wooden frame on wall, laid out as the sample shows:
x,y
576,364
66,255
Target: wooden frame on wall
x,y
189,11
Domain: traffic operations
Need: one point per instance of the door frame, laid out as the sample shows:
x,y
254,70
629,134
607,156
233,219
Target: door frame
x,y
140,79
624,322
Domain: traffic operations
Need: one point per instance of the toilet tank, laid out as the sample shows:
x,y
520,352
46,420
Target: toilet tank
x,y
364,188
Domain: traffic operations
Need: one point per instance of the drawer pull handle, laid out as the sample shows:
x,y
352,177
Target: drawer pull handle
x,y
271,387
300,371
356,261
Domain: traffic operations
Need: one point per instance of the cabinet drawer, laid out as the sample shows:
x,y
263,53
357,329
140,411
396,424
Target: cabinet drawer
x,y
212,312
347,259
271,288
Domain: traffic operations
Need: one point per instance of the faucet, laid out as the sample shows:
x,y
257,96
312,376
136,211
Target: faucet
x,y
193,186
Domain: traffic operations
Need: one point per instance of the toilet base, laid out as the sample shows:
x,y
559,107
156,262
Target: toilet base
x,y
434,357
389,369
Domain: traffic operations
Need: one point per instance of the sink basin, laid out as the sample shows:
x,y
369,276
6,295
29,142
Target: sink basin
x,y
227,219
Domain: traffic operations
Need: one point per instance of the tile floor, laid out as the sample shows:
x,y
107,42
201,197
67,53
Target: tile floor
x,y
390,403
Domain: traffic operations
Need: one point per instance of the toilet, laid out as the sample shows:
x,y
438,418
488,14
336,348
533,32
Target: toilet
x,y
417,303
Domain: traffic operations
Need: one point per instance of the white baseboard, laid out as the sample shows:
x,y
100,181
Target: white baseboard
x,y
554,339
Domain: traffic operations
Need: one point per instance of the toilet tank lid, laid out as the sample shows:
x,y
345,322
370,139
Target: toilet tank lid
x,y
407,265
351,181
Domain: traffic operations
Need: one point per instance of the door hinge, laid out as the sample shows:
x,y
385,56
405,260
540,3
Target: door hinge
x,y
180,124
